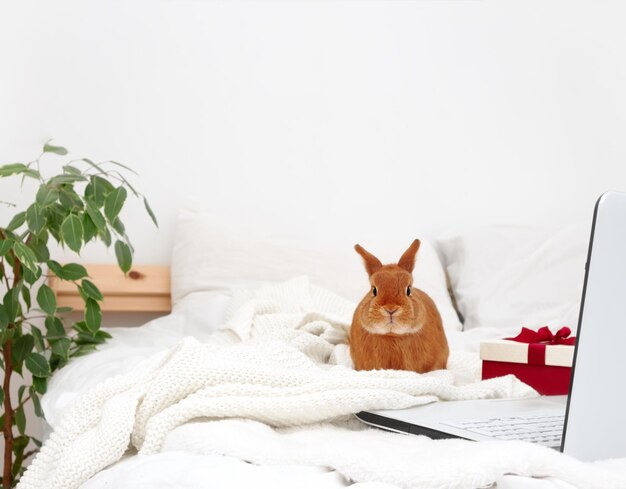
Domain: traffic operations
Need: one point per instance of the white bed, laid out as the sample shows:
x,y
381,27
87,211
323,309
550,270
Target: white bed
x,y
243,453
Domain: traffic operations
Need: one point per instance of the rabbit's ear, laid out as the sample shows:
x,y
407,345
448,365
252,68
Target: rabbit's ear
x,y
372,264
407,260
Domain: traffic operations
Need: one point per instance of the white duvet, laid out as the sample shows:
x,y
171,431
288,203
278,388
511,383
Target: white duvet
x,y
208,453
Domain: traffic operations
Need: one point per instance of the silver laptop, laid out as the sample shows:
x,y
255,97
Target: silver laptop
x,y
588,423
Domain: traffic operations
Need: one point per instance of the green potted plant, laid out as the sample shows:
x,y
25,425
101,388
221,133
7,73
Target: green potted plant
x,y
79,204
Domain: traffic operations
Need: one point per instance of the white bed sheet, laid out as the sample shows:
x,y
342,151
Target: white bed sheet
x,y
180,465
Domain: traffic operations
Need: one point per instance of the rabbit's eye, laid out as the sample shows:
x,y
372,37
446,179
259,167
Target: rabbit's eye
x,y
374,291
408,290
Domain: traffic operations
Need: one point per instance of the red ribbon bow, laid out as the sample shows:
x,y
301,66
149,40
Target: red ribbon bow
x,y
537,341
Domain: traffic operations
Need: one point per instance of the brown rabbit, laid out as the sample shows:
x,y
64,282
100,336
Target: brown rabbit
x,y
396,326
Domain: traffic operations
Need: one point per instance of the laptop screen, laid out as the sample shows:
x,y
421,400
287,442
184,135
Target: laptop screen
x,y
594,418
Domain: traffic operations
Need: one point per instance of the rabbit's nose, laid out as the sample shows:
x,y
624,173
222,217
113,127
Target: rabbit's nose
x,y
391,311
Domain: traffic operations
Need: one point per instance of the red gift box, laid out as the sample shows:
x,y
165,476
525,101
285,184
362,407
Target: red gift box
x,y
539,358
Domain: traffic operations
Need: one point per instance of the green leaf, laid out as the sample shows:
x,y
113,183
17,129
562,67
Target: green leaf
x,y
91,291
26,296
38,337
25,255
63,179
70,199
35,218
5,246
37,364
93,315
124,256
56,213
118,226
72,170
38,245
20,393
10,235
72,232
31,173
89,228
40,384
90,191
98,189
19,444
4,317
104,335
114,202
17,221
21,348
95,215
42,238
149,211
81,327
54,328
55,268
63,310
20,420
61,348
46,300
46,195
83,350
74,271
12,169
11,303
88,339
106,186
105,236
36,402
59,150
2,398
54,227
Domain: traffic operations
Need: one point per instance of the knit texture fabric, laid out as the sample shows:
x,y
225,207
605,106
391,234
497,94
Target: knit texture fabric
x,y
281,359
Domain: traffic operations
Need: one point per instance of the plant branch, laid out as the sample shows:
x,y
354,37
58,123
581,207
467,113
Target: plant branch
x,y
37,162
21,404
29,453
115,175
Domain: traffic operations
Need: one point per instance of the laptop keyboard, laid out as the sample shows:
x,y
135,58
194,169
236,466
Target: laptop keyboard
x,y
543,430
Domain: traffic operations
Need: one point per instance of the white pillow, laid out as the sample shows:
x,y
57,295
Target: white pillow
x,y
211,254
511,276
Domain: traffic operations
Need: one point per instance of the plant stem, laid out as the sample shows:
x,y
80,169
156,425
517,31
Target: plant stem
x,y
7,429
7,476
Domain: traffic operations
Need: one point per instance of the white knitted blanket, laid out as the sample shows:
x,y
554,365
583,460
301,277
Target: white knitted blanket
x,y
281,360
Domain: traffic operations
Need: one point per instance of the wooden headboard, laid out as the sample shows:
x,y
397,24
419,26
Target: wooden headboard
x,y
146,288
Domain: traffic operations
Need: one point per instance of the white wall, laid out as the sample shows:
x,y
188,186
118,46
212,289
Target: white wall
x,y
326,114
